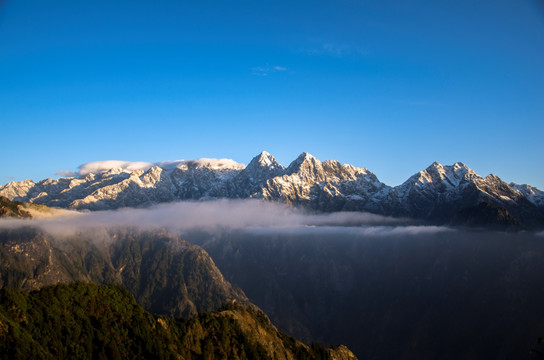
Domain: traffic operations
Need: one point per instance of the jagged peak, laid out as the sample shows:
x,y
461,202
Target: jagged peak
x,y
303,159
435,165
524,186
306,156
451,175
460,165
264,159
456,168
155,170
492,177
137,173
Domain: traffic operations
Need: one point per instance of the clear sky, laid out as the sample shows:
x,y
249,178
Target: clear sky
x,y
387,85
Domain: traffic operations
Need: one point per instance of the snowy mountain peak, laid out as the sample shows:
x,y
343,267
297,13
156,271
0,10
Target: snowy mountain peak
x,y
459,165
532,193
264,159
435,165
443,176
526,188
303,158
492,178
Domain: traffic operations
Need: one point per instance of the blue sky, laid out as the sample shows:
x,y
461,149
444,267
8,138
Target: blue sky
x,y
387,85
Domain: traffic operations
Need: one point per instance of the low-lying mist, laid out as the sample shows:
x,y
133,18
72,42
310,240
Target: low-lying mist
x,y
220,215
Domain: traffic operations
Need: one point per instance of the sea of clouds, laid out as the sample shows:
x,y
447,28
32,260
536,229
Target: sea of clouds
x,y
254,216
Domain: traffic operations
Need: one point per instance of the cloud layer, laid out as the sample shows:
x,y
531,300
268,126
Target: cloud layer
x,y
97,166
220,215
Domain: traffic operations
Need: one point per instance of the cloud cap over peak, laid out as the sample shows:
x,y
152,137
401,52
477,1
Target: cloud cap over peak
x,y
103,165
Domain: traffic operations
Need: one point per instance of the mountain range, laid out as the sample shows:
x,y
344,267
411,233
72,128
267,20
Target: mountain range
x,y
452,194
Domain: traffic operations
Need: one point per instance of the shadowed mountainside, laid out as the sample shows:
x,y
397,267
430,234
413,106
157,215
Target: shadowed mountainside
x,y
167,275
452,295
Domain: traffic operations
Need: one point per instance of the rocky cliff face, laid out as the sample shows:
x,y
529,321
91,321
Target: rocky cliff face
x,y
439,194
10,208
167,275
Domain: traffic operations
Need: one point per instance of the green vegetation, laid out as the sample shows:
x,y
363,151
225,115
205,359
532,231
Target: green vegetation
x,y
167,275
89,321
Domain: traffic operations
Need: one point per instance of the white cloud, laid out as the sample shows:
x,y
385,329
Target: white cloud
x,y
267,69
218,164
98,166
254,216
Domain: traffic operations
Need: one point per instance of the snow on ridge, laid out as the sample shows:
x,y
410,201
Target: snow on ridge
x,y
129,166
99,166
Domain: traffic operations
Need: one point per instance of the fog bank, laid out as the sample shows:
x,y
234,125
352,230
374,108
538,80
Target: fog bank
x,y
218,215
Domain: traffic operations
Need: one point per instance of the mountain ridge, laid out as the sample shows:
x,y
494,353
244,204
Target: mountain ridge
x,y
166,274
85,320
437,194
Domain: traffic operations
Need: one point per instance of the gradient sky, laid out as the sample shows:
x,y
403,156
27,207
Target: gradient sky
x,y
387,85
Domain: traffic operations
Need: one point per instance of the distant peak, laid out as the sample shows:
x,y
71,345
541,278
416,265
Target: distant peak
x,y
459,165
456,168
264,159
492,177
305,156
303,160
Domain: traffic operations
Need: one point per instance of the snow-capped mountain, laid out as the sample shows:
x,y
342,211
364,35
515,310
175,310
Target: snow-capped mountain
x,y
439,194
531,193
